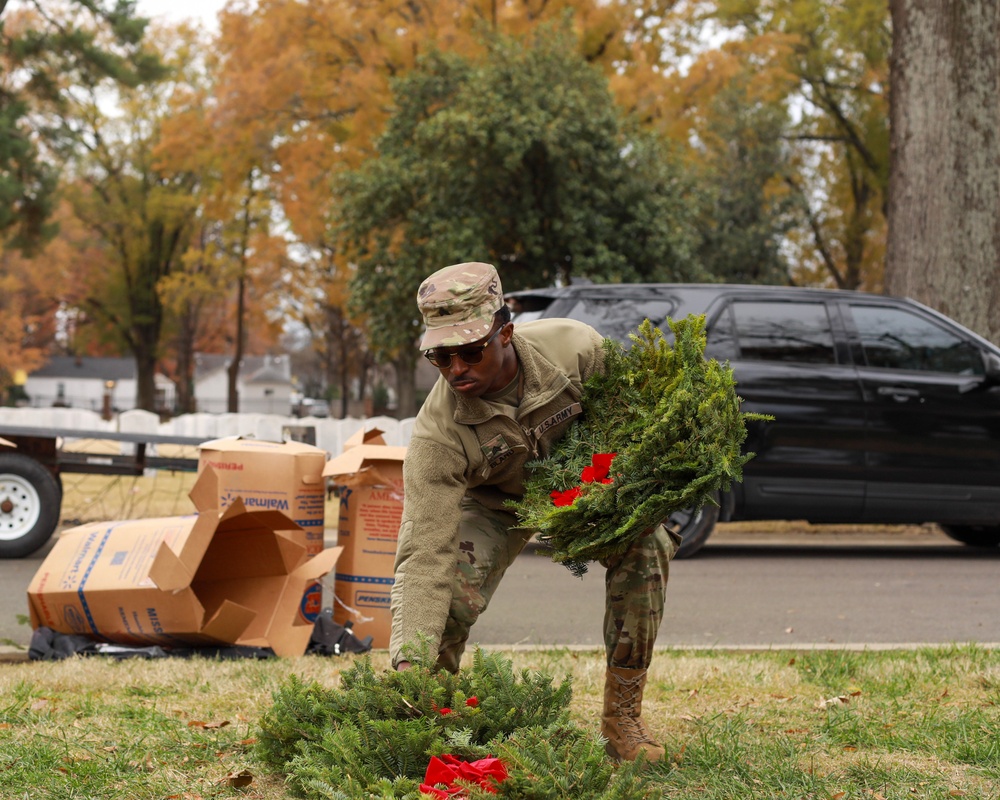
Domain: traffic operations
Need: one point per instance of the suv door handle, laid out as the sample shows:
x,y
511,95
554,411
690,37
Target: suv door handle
x,y
900,394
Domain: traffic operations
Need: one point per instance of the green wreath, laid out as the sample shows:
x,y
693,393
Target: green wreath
x,y
661,431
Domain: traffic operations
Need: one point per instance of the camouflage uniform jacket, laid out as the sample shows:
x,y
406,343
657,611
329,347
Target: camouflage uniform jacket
x,y
472,446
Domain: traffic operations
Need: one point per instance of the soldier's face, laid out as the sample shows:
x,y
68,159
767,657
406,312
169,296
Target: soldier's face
x,y
487,373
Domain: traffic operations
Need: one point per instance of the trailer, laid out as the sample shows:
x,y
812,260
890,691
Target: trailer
x,y
31,483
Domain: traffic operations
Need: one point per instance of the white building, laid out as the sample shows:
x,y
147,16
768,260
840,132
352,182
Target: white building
x,y
108,385
264,384
94,384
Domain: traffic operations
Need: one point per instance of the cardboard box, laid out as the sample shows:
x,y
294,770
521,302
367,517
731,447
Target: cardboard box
x,y
228,576
370,476
282,476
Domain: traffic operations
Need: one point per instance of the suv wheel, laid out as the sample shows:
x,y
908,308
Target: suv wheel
x,y
694,525
974,535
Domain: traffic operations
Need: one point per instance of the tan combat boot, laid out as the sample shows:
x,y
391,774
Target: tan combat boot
x,y
621,722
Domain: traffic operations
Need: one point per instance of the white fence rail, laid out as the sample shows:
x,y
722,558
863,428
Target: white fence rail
x,y
330,434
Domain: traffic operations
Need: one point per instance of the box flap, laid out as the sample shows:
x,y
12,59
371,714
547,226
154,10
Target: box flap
x,y
205,492
373,436
171,570
228,622
289,641
366,465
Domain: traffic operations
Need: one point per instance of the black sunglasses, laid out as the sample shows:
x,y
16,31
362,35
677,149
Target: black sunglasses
x,y
470,355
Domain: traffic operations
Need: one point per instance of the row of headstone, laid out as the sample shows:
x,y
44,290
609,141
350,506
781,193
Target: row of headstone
x,y
327,434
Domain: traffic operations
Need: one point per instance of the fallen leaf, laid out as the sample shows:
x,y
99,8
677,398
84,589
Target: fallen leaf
x,y
956,793
837,796
796,730
238,779
251,740
850,748
839,700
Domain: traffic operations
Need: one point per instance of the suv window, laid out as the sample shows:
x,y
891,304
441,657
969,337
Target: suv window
x,y
772,331
894,338
617,318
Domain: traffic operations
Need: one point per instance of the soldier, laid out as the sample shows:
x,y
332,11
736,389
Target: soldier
x,y
503,398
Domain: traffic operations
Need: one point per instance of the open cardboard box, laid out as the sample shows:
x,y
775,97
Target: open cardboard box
x,y
280,476
370,476
222,577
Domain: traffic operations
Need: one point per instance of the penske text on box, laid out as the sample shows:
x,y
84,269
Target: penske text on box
x,y
370,476
228,576
275,476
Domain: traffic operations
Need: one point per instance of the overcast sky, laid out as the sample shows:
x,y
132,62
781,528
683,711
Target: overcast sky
x,y
178,10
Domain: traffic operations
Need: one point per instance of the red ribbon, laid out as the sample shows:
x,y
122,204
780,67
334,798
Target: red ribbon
x,y
597,472
447,769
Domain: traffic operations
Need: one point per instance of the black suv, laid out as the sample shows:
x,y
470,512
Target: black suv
x,y
885,411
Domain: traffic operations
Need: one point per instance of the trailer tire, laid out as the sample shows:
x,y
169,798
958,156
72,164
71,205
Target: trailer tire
x,y
30,498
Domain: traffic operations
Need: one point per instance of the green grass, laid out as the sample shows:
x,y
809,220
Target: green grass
x,y
820,724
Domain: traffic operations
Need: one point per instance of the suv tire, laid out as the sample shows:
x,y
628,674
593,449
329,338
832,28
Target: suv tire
x,y
974,535
694,525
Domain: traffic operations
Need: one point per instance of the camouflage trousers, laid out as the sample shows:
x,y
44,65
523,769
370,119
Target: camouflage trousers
x,y
635,586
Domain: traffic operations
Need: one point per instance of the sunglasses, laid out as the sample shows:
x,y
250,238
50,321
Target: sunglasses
x,y
470,355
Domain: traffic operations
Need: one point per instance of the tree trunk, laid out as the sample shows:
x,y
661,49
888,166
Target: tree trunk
x,y
944,189
145,379
406,383
233,371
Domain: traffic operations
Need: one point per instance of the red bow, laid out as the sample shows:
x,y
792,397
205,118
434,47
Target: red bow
x,y
597,472
447,769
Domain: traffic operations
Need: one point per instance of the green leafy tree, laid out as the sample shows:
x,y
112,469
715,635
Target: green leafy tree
x,y
746,206
828,62
140,211
50,52
522,159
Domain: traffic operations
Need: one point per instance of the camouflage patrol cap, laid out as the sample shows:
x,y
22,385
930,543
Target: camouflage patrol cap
x,y
458,304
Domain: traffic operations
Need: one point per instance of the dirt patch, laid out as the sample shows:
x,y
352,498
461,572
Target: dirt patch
x,y
803,528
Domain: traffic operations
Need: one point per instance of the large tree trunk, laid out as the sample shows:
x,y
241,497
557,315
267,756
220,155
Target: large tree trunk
x,y
944,187
406,383
145,378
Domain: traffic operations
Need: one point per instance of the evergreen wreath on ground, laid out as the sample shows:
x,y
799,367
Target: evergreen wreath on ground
x,y
385,735
661,431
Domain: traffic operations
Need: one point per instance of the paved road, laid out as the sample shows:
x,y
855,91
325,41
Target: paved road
x,y
760,591
742,590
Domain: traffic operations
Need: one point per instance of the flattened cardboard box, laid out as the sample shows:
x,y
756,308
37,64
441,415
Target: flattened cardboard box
x,y
277,476
370,476
221,577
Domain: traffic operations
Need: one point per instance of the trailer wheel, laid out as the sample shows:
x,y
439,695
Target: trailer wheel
x,y
29,505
